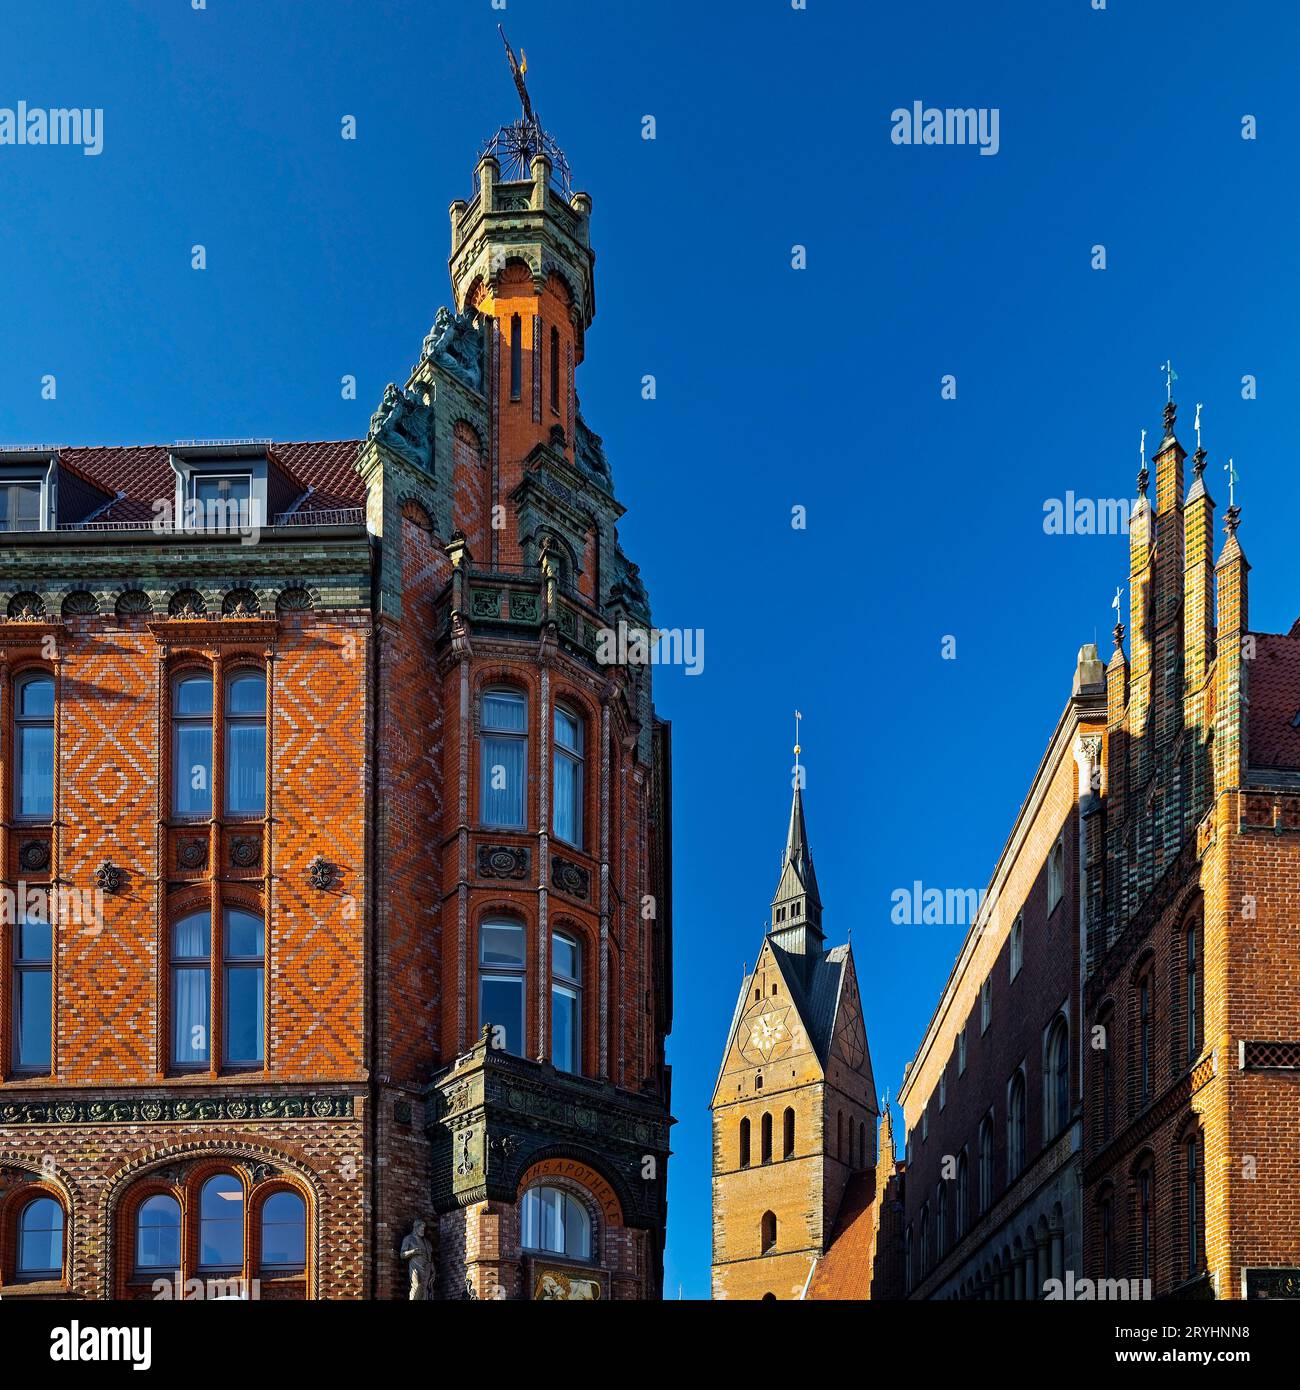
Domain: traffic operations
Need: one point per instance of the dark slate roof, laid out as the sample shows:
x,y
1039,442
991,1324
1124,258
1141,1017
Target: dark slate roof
x,y
1274,687
141,472
814,983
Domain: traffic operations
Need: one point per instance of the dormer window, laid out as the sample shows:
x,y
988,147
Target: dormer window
x,y
20,505
232,490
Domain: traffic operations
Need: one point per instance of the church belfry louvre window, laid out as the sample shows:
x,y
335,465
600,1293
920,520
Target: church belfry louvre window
x,y
33,775
503,752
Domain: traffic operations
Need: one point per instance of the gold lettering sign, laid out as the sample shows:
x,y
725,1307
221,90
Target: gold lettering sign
x,y
583,1174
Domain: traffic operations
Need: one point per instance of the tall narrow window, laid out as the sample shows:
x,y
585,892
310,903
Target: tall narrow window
x,y
221,1224
191,989
1017,946
1193,1209
744,1143
1057,1079
1056,875
504,754
961,1052
1144,1218
40,1240
244,987
566,816
925,1238
516,356
1192,1019
566,1003
765,1129
1016,1126
1144,1035
767,1231
963,1194
501,984
986,1164
555,370
1108,1238
284,1233
34,747
986,1003
787,1136
246,744
941,1221
192,745
158,1234
33,994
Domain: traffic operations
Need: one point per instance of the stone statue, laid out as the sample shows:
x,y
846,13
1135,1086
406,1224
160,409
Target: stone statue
x,y
417,1251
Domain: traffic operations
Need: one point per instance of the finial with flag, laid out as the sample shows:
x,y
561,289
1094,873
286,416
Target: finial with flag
x,y
797,749
1232,481
1142,449
1170,377
1196,424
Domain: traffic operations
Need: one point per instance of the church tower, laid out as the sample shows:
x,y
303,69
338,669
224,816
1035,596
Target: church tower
x,y
794,1108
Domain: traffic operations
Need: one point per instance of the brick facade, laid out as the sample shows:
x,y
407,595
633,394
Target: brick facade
x,y
467,545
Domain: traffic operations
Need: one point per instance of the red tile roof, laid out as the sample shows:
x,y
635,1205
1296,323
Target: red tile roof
x,y
142,472
1274,688
845,1270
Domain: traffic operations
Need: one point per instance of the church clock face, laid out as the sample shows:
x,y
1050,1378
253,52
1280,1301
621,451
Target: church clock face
x,y
765,1033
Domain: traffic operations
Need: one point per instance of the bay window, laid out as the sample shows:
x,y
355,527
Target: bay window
x,y
503,754
502,960
567,780
566,1003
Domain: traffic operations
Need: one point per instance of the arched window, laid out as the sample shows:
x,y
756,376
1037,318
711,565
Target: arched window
x,y
40,1240
555,370
925,1237
1107,1236
192,745
243,987
941,1221
158,1234
1107,1078
1017,946
1144,1037
1056,1079
567,779
556,1222
767,1232
1193,1018
566,1003
516,356
246,744
787,1139
191,989
765,1129
1193,1176
1146,1218
744,1143
907,1261
986,1164
33,995
963,1194
284,1233
839,1135
503,750
34,746
221,1224
1016,1126
502,960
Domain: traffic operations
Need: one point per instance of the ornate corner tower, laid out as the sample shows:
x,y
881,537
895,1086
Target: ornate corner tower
x,y
524,813
794,1108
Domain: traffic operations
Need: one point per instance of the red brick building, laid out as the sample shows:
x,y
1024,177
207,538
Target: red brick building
x,y
335,849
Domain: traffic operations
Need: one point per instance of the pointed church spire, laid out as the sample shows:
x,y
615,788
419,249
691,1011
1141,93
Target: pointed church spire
x,y
797,905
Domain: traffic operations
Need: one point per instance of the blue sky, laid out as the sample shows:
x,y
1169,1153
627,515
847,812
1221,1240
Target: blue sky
x,y
777,387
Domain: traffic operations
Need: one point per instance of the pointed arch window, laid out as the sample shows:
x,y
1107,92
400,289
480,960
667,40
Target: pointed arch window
x,y
765,1142
1193,1206
1016,1126
986,1164
1146,1217
963,1194
744,1142
1056,1079
1144,1036
941,1221
787,1135
1190,982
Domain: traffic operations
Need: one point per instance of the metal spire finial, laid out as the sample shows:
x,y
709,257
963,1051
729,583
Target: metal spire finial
x,y
797,748
517,71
